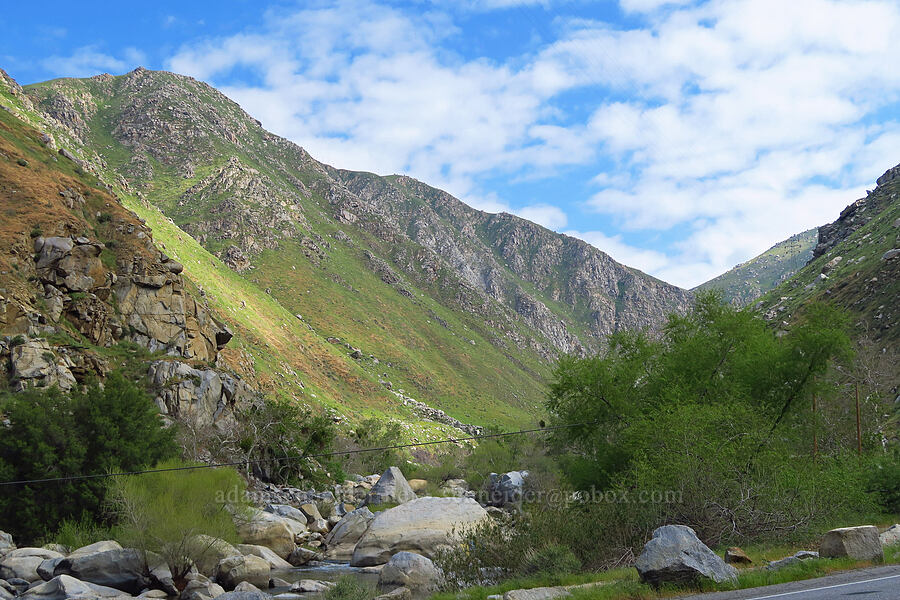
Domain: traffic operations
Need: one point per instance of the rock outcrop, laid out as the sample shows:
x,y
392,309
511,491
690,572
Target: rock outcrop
x,y
202,396
506,489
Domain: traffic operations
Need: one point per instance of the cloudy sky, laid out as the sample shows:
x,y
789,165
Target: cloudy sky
x,y
681,137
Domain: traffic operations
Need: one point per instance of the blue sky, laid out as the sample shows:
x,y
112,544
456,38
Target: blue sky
x,y
681,137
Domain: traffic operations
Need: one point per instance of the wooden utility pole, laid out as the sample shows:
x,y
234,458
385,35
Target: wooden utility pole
x,y
815,431
858,427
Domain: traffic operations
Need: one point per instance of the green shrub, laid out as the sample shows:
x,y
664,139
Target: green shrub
x,y
17,341
274,437
165,512
348,588
77,533
22,162
109,429
371,433
553,559
884,482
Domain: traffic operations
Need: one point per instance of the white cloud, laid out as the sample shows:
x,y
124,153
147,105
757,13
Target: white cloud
x,y
551,217
725,125
649,261
645,6
89,60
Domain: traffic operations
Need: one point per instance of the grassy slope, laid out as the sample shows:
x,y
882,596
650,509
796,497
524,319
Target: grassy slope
x,y
863,283
475,383
749,280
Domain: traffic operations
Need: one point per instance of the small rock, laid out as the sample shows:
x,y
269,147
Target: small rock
x,y
736,556
891,536
306,586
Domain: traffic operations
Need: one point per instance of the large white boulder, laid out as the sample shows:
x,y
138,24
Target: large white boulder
x,y
23,563
64,587
860,543
392,488
342,539
676,555
421,526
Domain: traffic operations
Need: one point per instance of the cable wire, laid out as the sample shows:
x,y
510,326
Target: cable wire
x,y
290,458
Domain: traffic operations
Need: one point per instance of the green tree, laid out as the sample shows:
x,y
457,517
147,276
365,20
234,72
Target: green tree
x,y
712,411
113,428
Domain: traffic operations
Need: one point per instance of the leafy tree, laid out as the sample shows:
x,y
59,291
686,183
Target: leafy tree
x,y
713,410
113,428
275,436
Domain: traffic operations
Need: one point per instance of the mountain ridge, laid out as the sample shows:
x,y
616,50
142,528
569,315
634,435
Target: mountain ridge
x,y
461,309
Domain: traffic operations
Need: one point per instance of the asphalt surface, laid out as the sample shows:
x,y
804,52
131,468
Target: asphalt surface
x,y
876,583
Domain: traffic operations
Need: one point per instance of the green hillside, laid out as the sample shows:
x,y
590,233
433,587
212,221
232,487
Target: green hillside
x,y
346,289
749,280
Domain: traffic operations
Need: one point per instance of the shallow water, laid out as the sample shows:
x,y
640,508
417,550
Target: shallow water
x,y
324,571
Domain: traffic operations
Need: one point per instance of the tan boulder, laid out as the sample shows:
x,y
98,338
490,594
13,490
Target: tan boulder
x,y
736,556
269,530
267,554
860,543
235,569
418,485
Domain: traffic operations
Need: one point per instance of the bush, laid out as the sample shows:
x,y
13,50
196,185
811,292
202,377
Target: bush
x,y
273,437
77,533
550,539
165,512
116,428
552,559
712,412
348,588
371,433
884,482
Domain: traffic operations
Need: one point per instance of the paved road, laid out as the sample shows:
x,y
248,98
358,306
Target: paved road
x,y
876,583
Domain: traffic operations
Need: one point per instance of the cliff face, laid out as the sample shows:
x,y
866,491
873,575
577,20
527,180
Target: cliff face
x,y
80,274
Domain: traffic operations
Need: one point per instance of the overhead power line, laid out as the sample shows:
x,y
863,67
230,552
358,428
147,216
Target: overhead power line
x,y
291,458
